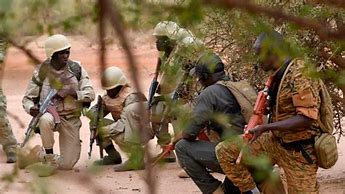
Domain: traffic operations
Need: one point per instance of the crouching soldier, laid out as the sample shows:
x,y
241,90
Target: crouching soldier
x,y
124,106
197,156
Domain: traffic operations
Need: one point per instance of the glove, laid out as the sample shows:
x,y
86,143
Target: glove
x,y
34,111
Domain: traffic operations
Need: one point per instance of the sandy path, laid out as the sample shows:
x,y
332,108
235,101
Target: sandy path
x,y
18,72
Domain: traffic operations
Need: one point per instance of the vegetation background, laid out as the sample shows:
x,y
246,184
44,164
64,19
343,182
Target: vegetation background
x,y
315,29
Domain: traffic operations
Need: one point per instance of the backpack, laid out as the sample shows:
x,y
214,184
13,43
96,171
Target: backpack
x,y
245,95
325,144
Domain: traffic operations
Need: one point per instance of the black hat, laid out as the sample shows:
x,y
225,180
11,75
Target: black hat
x,y
209,63
273,40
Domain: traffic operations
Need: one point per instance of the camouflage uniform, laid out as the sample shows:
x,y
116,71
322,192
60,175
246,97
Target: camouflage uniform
x,y
125,128
125,112
69,110
175,76
299,95
7,139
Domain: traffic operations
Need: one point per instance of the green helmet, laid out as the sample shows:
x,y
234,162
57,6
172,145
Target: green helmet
x,y
113,77
55,43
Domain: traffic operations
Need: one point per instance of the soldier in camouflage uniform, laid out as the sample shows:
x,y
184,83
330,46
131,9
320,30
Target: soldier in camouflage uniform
x,y
75,91
123,103
288,140
178,49
7,139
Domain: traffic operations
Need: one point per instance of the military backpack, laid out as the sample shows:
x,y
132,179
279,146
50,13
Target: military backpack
x,y
245,95
325,144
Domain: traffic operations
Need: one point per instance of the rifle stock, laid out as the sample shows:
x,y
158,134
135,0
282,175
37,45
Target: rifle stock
x,y
46,106
260,108
154,84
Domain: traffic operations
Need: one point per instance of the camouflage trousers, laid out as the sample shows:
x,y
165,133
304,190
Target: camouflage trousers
x,y
7,139
126,130
300,175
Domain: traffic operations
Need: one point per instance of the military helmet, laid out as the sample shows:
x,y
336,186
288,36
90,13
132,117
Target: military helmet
x,y
55,43
166,28
113,77
268,41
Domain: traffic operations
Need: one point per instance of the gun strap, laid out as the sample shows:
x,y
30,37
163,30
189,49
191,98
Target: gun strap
x,y
273,92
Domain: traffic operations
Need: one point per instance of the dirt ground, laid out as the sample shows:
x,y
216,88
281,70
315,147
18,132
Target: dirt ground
x,y
83,179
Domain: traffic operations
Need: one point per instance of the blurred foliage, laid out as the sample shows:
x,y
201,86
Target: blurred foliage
x,y
230,33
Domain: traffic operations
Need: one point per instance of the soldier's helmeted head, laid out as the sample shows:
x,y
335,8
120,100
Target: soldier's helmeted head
x,y
166,35
209,68
57,48
271,50
113,80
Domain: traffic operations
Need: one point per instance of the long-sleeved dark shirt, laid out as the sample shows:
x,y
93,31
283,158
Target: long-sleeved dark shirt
x,y
213,104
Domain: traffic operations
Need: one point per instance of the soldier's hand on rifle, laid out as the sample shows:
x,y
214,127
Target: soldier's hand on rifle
x,y
34,111
63,93
256,132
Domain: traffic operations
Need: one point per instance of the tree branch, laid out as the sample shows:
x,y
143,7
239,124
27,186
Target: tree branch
x,y
27,51
325,33
338,60
111,11
335,3
101,34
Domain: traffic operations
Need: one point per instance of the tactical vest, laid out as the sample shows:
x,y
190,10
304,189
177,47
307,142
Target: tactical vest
x,y
125,97
66,78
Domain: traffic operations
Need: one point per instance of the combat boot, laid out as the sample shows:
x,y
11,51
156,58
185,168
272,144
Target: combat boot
x,y
27,157
11,157
48,167
52,160
113,157
129,166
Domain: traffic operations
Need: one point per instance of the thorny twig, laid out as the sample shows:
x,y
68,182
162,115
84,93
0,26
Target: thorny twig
x,y
324,32
111,11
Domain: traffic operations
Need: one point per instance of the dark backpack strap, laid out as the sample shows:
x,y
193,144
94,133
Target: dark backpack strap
x,y
42,73
75,69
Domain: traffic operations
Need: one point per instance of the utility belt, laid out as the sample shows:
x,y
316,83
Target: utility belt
x,y
299,146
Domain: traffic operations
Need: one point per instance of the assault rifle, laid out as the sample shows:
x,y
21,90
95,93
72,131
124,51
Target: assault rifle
x,y
260,108
154,84
46,106
94,125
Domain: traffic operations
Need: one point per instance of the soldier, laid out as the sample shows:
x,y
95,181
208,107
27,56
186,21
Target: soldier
x,y
288,140
123,103
7,139
74,93
197,156
178,49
